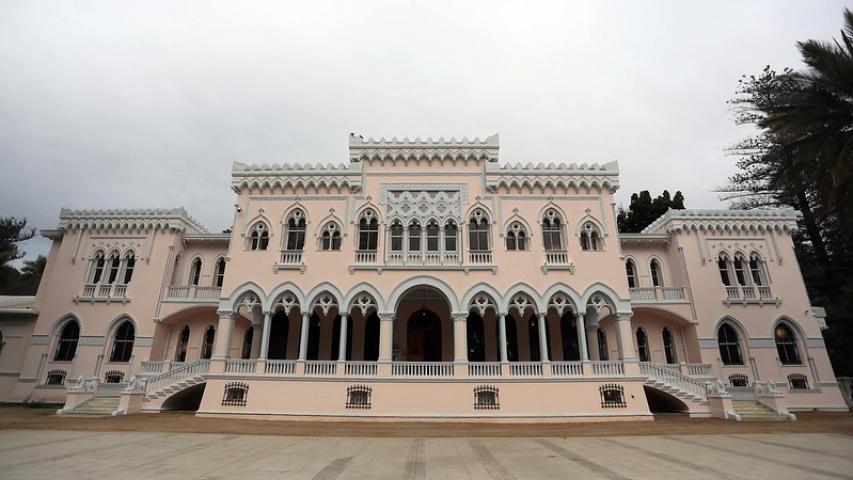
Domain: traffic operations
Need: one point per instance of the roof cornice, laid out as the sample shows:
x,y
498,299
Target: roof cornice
x,y
175,219
758,219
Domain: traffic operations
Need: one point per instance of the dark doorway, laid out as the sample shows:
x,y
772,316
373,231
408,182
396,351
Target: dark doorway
x,y
424,337
533,338
476,338
313,352
371,338
279,329
336,338
511,338
569,337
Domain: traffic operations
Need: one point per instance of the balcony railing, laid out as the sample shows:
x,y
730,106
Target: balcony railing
x,y
525,369
422,369
557,257
481,257
608,369
192,293
360,369
657,294
365,256
104,293
291,257
240,366
484,369
417,259
280,367
321,367
567,369
749,294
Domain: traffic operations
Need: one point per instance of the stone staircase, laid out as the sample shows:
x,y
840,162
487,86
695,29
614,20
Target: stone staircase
x,y
174,387
665,379
753,410
176,379
96,407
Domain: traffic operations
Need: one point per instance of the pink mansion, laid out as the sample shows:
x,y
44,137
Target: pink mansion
x,y
422,279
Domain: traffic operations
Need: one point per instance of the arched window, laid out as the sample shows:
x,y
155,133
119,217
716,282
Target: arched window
x,y
259,239
368,231
786,345
195,271
478,231
113,376
657,276
246,351
590,238
602,344
432,236
723,266
129,265
552,231
631,271
451,235
668,345
414,236
330,238
66,347
115,266
295,231
183,343
729,345
123,342
740,275
756,269
516,237
207,343
396,236
219,279
642,345
97,269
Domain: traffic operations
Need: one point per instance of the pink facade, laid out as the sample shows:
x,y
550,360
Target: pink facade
x,y
424,279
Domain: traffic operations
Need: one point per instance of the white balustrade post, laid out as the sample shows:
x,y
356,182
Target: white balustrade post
x,y
223,335
265,342
543,338
342,339
584,354
303,336
502,336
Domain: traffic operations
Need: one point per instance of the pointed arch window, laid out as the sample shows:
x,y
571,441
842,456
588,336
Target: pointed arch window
x,y
786,345
740,274
451,237
207,343
668,346
368,231
631,271
478,231
396,236
756,269
98,265
66,346
602,344
220,272
330,238
414,236
590,238
723,266
295,238
657,274
129,265
183,344
259,238
123,342
432,236
643,345
729,345
115,266
552,231
195,271
516,237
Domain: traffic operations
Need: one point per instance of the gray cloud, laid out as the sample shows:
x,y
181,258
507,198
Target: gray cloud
x,y
146,104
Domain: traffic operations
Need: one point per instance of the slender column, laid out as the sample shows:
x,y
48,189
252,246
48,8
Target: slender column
x,y
265,342
342,341
257,333
625,337
223,335
502,335
592,339
303,336
543,338
581,337
460,337
386,336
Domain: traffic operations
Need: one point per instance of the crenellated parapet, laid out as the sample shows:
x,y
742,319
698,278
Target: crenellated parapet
x,y
755,220
326,178
427,152
552,177
173,219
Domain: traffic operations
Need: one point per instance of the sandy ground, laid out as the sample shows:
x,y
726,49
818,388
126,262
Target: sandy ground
x,y
18,417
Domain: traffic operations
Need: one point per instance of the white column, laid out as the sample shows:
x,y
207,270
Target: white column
x,y
386,336
543,338
265,342
303,336
460,337
625,336
581,336
502,335
223,335
342,341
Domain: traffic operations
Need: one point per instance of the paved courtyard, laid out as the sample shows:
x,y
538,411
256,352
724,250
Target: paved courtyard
x,y
44,454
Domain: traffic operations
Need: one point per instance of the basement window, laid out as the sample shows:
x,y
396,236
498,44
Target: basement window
x,y
236,394
738,380
486,397
612,396
359,396
56,377
798,381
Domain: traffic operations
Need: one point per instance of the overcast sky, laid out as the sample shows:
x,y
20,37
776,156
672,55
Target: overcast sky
x,y
146,104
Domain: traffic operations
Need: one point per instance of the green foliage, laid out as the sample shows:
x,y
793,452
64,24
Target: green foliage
x,y
12,281
803,157
644,210
12,231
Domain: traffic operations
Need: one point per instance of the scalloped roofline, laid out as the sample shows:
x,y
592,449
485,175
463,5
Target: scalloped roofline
x,y
609,168
245,169
81,218
358,141
783,217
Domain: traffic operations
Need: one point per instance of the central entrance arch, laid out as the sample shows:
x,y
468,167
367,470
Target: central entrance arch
x,y
423,331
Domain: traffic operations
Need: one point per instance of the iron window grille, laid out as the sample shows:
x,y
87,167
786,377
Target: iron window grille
x,y
738,380
359,396
798,381
56,377
486,397
113,376
612,396
236,394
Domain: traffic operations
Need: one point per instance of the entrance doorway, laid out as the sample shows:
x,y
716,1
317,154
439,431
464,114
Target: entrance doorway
x,y
424,337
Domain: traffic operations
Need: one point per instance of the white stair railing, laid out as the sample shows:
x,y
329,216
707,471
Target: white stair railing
x,y
673,378
175,375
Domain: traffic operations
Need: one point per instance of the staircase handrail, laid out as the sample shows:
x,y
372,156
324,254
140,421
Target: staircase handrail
x,y
674,378
177,374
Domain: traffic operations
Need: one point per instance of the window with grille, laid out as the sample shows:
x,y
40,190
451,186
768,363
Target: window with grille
x,y
486,397
113,376
123,343
56,377
612,396
359,396
738,380
798,381
236,394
